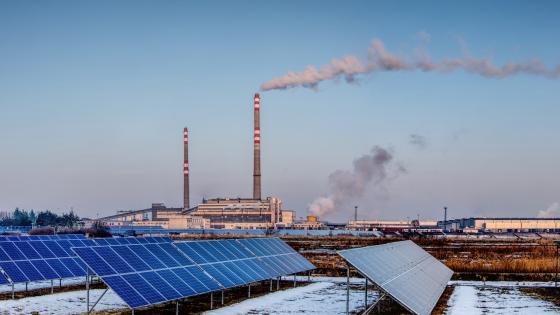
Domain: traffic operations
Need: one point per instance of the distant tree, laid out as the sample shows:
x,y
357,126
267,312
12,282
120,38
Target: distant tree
x,y
21,217
68,219
33,218
47,218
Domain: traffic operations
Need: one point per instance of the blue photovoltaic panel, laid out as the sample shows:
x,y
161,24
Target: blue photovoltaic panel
x,y
404,271
147,274
233,264
277,255
36,259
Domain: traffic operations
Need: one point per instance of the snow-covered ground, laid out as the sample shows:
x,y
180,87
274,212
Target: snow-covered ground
x,y
41,284
327,295
471,299
61,303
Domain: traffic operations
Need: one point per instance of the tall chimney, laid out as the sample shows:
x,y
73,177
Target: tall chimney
x,y
186,204
257,150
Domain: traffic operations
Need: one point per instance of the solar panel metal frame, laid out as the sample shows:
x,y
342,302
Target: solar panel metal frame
x,y
397,255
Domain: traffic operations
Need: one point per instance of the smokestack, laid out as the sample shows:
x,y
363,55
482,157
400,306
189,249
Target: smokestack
x,y
355,213
186,203
257,149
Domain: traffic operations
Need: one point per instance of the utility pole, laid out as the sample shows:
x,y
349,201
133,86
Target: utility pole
x,y
444,219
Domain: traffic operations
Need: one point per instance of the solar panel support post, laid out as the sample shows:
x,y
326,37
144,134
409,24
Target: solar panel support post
x,y
87,290
52,286
13,291
249,292
26,287
294,280
347,289
270,285
277,283
99,299
222,297
177,308
211,300
365,297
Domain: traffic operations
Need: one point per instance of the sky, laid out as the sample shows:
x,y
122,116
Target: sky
x,y
94,96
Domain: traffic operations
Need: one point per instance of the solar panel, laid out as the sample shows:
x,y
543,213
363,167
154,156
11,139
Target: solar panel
x,y
239,262
283,259
227,261
34,260
147,274
404,271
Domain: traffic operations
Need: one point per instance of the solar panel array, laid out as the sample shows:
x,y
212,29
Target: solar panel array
x,y
150,274
404,271
147,274
49,257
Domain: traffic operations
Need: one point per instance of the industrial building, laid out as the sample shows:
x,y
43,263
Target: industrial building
x,y
239,213
390,225
220,212
501,225
157,215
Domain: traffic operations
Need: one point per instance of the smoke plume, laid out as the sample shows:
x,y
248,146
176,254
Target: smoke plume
x,y
552,212
380,59
374,168
418,141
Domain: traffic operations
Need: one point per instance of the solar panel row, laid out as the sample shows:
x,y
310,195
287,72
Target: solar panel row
x,y
36,260
147,274
25,261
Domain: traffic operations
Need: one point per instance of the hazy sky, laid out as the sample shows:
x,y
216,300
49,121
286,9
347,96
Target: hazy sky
x,y
94,96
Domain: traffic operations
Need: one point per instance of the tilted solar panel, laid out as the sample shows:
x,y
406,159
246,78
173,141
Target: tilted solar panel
x,y
226,261
406,272
147,274
277,255
25,261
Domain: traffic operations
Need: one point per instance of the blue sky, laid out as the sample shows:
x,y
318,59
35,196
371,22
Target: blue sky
x,y
94,96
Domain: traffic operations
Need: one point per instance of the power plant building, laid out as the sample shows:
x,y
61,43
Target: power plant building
x,y
228,213
240,213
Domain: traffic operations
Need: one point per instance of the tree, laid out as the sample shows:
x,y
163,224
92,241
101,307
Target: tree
x,y
47,218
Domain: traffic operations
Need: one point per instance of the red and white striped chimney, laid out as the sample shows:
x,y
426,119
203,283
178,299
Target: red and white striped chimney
x,y
257,149
186,203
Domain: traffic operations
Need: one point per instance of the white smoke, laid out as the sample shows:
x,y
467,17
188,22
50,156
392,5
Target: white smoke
x,y
418,141
347,185
553,211
380,59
